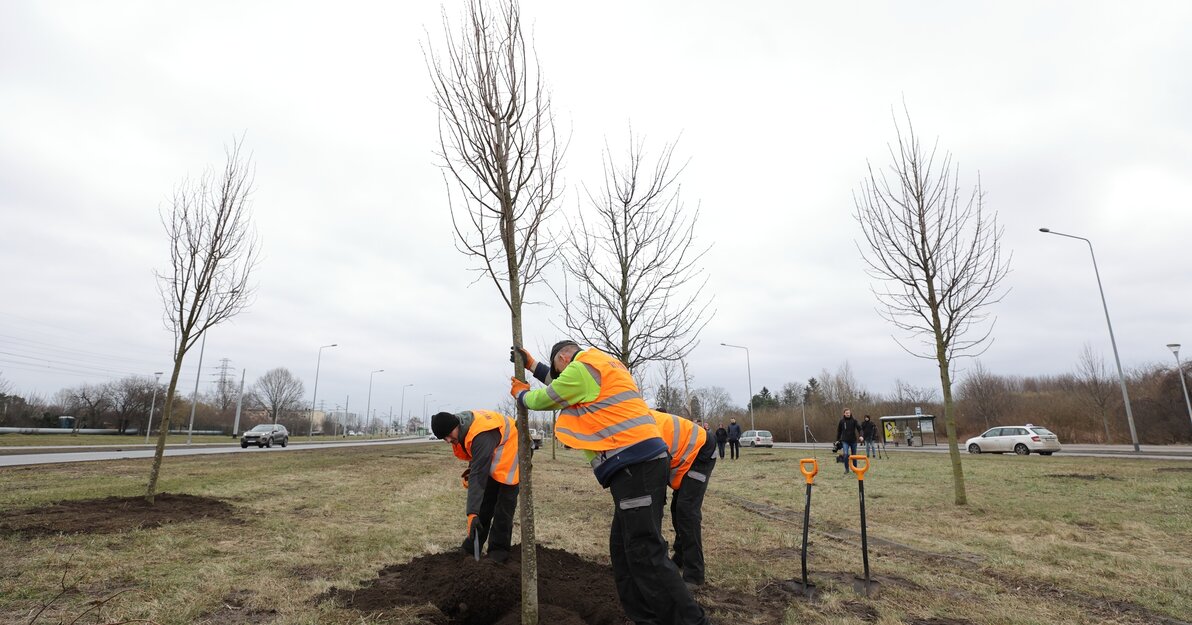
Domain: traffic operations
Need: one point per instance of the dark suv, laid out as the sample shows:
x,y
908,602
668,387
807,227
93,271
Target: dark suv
x,y
265,435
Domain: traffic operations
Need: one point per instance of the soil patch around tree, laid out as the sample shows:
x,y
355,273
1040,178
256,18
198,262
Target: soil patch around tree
x,y
113,514
571,590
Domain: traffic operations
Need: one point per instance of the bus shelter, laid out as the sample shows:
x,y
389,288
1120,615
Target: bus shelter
x,y
911,430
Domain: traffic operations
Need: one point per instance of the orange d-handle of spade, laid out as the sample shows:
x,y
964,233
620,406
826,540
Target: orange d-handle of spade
x,y
809,474
860,468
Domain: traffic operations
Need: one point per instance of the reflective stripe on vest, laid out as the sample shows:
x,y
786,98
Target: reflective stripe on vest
x,y
684,438
618,417
504,467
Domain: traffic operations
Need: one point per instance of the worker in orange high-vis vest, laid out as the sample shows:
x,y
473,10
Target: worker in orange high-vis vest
x,y
603,414
488,442
693,455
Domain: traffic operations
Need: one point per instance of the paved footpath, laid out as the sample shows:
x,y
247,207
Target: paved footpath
x,y
1149,452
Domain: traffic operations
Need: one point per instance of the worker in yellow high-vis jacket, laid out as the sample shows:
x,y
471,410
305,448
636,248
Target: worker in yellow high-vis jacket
x,y
601,411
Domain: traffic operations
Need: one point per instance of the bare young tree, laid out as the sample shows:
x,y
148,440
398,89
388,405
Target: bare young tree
x,y
213,250
635,261
938,256
1094,384
988,396
499,148
278,392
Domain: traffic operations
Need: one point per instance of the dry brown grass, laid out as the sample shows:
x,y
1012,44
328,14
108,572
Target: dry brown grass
x,y
1036,545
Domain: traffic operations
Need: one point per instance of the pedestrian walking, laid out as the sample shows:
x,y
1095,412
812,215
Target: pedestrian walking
x,y
847,432
869,435
721,439
734,439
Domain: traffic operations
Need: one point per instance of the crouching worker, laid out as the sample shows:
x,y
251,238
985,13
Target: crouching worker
x,y
693,455
488,441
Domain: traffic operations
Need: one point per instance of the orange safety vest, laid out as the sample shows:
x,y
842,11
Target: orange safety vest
x,y
504,467
616,419
684,438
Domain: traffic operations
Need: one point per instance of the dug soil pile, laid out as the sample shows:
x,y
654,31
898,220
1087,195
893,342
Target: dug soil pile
x,y
113,514
571,590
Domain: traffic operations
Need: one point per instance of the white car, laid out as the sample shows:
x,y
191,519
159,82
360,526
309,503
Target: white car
x,y
757,438
1018,439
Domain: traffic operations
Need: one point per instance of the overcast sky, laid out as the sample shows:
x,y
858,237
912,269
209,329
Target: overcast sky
x,y
1076,115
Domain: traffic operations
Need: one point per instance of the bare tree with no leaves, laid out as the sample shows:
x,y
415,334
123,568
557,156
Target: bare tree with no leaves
x,y
636,263
499,148
939,258
1094,384
278,392
213,250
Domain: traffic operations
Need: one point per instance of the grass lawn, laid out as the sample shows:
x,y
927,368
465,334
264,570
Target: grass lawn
x,y
1042,541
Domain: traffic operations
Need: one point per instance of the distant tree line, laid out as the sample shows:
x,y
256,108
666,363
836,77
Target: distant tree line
x,y
1084,406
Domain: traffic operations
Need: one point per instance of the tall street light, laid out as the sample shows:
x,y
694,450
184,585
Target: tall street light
x,y
368,403
424,419
749,373
153,404
1179,368
402,415
315,396
1112,341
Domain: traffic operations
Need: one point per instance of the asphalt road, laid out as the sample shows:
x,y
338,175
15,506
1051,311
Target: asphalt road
x,y
133,452
59,455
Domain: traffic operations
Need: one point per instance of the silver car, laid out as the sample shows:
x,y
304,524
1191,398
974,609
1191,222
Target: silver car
x,y
1018,439
265,435
757,438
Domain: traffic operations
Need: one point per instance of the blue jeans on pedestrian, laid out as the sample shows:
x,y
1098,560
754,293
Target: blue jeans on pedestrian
x,y
870,448
848,449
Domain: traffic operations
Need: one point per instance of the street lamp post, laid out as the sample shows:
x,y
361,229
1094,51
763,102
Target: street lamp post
x,y
368,404
401,415
314,398
749,373
153,404
1179,368
1113,342
424,419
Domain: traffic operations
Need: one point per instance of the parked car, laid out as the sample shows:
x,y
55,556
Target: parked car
x,y
535,439
265,435
1018,439
757,438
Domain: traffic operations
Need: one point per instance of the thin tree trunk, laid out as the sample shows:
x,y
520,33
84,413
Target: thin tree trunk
x,y
167,412
950,426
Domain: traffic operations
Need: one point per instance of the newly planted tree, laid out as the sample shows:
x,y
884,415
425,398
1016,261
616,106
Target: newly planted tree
x,y
213,250
500,152
938,257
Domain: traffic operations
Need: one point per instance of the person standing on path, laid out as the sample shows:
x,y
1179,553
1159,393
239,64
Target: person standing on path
x,y
721,439
488,442
869,435
847,432
602,413
734,439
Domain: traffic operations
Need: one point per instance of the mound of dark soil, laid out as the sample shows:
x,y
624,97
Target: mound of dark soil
x,y
571,590
112,514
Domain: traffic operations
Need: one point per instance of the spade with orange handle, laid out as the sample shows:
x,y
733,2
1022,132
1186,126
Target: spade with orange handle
x,y
808,467
865,585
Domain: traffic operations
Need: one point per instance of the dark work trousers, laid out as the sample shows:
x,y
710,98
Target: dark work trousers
x,y
720,447
734,447
496,517
687,518
651,589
